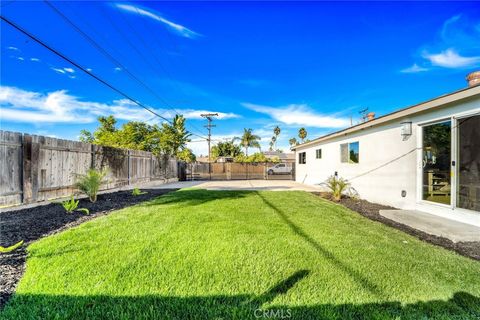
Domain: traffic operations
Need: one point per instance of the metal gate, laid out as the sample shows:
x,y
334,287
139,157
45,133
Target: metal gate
x,y
240,171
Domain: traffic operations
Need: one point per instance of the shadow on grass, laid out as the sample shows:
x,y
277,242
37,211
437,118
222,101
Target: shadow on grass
x,y
195,197
329,256
29,306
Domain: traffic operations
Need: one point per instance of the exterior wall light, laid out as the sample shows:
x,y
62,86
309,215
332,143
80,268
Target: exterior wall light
x,y
406,129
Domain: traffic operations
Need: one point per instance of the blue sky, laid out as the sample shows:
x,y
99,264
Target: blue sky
x,y
259,64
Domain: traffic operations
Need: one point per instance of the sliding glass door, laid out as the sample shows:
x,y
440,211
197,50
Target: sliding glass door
x,y
436,161
468,167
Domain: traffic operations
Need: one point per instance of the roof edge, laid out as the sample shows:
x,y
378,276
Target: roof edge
x,y
454,96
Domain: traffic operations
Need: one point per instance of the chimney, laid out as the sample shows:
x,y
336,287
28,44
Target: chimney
x,y
370,116
473,79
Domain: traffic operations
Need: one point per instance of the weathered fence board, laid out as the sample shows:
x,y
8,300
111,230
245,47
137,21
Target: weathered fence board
x,y
10,167
37,168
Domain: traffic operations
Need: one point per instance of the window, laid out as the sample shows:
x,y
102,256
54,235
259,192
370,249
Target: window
x,y
318,153
280,165
302,158
349,152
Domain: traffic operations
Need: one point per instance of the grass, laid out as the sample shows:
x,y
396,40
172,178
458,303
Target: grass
x,y
197,254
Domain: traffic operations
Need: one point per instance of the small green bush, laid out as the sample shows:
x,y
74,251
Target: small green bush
x,y
72,205
137,192
11,248
90,183
337,186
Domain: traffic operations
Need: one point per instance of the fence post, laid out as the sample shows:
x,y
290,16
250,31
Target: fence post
x,y
94,155
128,166
30,155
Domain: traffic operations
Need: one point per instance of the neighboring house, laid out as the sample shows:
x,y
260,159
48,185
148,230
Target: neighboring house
x,y
425,157
282,156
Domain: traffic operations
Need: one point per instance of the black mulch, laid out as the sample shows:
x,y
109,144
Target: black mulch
x,y
371,211
34,223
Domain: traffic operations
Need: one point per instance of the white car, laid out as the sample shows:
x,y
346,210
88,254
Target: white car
x,y
280,168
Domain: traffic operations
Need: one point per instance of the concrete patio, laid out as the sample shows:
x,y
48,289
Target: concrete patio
x,y
270,185
435,225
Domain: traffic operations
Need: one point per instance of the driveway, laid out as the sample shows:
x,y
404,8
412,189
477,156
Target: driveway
x,y
271,185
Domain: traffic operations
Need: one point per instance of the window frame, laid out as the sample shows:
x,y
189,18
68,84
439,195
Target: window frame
x,y
317,153
348,154
302,157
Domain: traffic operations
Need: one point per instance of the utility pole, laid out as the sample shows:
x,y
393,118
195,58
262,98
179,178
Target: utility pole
x,y
209,126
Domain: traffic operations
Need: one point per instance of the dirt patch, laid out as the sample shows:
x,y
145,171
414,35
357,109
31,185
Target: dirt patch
x,y
34,223
371,211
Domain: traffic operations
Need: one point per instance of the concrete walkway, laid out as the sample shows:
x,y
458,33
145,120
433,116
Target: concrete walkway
x,y
270,185
435,225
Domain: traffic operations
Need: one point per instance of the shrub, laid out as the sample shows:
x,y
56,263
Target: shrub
x,y
337,186
11,248
90,183
71,205
137,192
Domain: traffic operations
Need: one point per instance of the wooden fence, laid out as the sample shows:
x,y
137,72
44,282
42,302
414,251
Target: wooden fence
x,y
37,168
239,171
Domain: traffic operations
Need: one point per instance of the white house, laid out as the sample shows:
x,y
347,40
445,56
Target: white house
x,y
425,157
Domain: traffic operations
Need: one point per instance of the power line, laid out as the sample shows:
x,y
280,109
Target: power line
x,y
151,50
71,61
91,74
113,59
105,52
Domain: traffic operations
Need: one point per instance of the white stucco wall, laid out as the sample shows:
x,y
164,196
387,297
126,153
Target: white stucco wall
x,y
395,164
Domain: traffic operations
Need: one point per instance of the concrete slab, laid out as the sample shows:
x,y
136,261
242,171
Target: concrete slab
x,y
270,185
435,225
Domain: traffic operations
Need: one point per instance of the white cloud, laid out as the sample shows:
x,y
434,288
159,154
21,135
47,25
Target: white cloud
x,y
117,69
299,114
59,70
19,105
177,28
20,58
35,59
415,68
89,70
451,59
66,71
458,34
13,48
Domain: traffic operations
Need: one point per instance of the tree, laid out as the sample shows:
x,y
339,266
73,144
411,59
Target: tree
x,y
273,143
174,137
226,149
276,132
186,155
270,144
249,140
169,139
293,142
302,134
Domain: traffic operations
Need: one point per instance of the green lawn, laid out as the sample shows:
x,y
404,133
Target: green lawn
x,y
197,254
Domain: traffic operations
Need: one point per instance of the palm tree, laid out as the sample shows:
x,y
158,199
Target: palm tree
x,y
271,146
276,132
293,142
249,140
274,143
302,134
